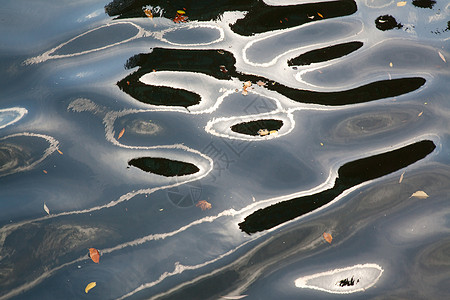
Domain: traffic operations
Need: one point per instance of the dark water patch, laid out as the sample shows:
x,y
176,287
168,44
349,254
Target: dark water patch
x,y
221,65
349,175
157,95
201,61
163,166
325,54
260,17
252,127
217,63
387,22
366,93
424,3
101,37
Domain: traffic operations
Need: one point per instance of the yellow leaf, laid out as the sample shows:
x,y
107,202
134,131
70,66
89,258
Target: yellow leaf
x,y
263,132
273,132
181,12
420,114
420,195
401,3
46,209
90,286
320,15
247,84
391,64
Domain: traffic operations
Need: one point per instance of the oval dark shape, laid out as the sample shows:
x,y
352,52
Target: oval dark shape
x,y
387,22
252,127
163,166
325,54
424,3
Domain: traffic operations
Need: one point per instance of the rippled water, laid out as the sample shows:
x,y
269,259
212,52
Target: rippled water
x,y
206,158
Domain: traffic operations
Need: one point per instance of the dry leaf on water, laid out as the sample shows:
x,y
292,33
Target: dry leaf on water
x,y
46,209
420,195
59,151
203,204
260,83
263,132
442,56
94,255
327,237
148,13
90,286
401,3
320,15
401,177
121,133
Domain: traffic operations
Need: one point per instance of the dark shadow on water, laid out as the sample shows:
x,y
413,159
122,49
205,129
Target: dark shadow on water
x,y
221,65
260,17
252,127
325,54
387,22
163,166
349,175
424,3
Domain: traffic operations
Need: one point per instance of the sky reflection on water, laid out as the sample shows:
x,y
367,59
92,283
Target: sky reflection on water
x,y
67,95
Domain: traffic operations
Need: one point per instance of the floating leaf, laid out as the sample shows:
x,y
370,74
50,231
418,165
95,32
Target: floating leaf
x,y
391,64
203,204
401,3
263,132
59,151
234,297
223,69
181,12
420,195
148,13
420,114
320,15
121,133
327,237
260,83
94,255
442,56
46,209
45,171
90,286
247,84
273,132
401,177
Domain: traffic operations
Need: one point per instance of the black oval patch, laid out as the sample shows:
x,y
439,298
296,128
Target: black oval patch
x,y
163,166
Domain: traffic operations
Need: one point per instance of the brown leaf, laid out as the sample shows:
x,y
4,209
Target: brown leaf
x,y
260,83
94,255
203,204
320,15
327,237
121,133
148,13
45,171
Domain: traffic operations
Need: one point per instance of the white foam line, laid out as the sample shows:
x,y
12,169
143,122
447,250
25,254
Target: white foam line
x,y
282,32
48,54
191,25
20,113
141,33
